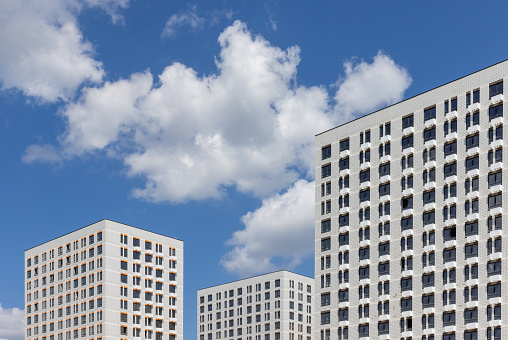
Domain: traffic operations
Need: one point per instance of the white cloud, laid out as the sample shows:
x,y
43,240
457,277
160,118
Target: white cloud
x,y
43,51
279,234
41,153
111,7
249,126
186,18
12,323
367,87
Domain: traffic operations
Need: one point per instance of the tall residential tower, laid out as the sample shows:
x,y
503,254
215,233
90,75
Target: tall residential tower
x,y
105,281
409,218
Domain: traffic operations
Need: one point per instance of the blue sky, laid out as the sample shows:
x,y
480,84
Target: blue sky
x,y
197,119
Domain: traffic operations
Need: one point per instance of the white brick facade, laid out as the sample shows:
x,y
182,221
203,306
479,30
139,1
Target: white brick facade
x,y
415,229
105,281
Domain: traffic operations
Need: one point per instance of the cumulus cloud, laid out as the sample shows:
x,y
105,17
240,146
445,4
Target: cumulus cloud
x,y
279,234
43,51
186,18
12,323
248,126
366,87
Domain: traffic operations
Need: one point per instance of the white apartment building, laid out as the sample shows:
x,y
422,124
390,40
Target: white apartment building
x,y
409,218
105,281
272,306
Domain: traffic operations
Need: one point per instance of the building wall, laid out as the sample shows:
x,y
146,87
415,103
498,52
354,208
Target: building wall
x,y
117,310
394,115
272,306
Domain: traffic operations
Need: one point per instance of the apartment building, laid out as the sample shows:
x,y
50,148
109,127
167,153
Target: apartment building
x,y
105,281
272,306
409,218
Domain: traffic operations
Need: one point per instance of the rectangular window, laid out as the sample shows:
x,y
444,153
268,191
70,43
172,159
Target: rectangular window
x,y
495,89
429,134
326,171
450,169
472,141
429,196
472,163
407,121
326,244
384,189
384,169
449,254
344,163
364,195
450,148
476,96
364,176
406,223
407,142
495,200
326,152
495,111
344,145
326,226
495,178
429,113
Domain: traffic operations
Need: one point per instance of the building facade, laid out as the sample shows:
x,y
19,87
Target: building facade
x,y
105,281
272,306
409,218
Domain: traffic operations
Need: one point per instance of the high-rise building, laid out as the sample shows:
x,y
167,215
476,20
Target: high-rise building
x,y
105,281
409,211
274,306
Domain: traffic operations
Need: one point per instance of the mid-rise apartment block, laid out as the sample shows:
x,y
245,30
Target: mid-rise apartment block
x,y
105,281
409,218
274,306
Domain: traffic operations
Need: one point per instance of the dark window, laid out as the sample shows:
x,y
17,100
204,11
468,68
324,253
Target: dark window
x,y
472,163
406,223
344,163
429,196
471,250
450,148
450,234
326,244
495,200
365,176
384,249
449,254
406,304
363,272
450,170
495,89
384,169
428,300
428,280
326,171
383,327
343,239
494,268
326,226
364,195
384,268
344,145
326,152
468,99
453,104
344,220
494,290
471,228
407,142
448,318
429,217
429,134
495,178
472,141
496,111
430,113
406,284
364,253
407,121
476,96
384,189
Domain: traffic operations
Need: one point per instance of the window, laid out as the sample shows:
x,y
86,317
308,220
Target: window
x,y
472,163
471,250
343,220
495,178
383,327
428,300
494,290
325,244
429,217
344,295
429,134
343,239
364,195
449,254
407,142
326,152
384,189
495,200
344,163
325,318
384,268
450,148
326,171
343,182
364,253
495,89
429,113
384,169
429,196
448,319
344,145
384,249
364,272
449,234
496,111
364,176
471,228
406,284
472,141
326,226
495,223
450,169
406,223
